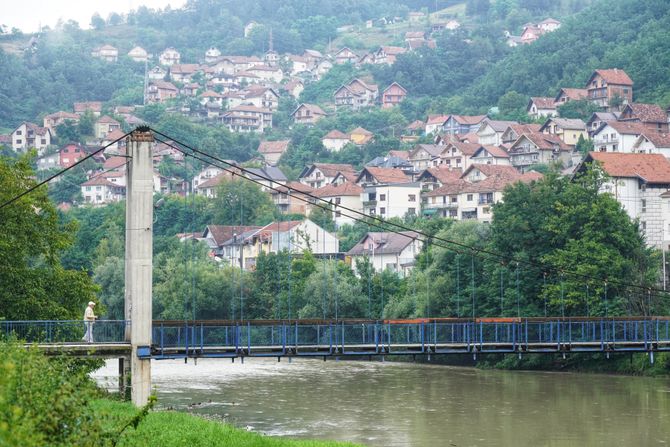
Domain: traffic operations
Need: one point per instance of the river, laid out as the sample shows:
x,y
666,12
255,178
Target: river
x,y
407,404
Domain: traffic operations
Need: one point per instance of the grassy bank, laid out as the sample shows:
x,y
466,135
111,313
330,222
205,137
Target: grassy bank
x,y
170,428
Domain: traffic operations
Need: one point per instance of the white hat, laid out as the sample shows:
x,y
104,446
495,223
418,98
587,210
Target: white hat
x,y
91,303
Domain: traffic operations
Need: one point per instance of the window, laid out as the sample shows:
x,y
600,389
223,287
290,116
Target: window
x,y
411,210
469,197
382,210
44,141
486,210
382,197
643,226
644,206
19,142
411,197
18,132
98,188
88,188
338,200
454,199
338,214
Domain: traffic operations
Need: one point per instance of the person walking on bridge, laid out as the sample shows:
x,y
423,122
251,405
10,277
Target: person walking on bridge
x,y
89,321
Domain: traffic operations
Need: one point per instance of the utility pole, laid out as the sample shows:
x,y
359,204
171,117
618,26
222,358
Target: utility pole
x,y
139,263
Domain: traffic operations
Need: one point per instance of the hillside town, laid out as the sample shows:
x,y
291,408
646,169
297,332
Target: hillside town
x,y
449,166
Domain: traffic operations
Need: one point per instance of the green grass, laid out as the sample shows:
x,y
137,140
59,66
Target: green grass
x,y
170,428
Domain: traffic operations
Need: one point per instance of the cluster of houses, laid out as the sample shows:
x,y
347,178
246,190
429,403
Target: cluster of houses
x,y
532,31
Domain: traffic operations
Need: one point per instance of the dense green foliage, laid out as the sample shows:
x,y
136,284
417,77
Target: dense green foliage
x,y
35,285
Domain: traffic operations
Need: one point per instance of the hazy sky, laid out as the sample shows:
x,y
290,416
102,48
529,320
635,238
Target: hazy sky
x,y
28,14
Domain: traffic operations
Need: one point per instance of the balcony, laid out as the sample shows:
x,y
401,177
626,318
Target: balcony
x,y
485,201
370,203
441,206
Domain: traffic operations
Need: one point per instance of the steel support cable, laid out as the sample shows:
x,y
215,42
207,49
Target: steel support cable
x,y
384,223
63,171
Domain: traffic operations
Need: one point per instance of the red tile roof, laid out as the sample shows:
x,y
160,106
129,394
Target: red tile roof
x,y
613,76
625,127
335,135
646,113
273,147
543,102
659,140
345,189
114,163
443,174
572,93
386,175
653,168
496,151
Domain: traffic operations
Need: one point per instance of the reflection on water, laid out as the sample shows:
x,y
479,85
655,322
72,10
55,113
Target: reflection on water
x,y
404,404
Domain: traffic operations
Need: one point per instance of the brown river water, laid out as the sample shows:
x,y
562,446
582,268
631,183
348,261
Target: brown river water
x,y
408,404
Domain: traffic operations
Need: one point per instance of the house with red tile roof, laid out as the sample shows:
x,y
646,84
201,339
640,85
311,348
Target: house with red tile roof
x,y
346,195
490,155
393,95
307,114
356,94
53,120
292,198
540,106
105,125
651,115
463,124
604,86
273,150
617,136
640,182
653,143
100,191
457,155
570,94
387,251
317,175
335,140
30,136
538,148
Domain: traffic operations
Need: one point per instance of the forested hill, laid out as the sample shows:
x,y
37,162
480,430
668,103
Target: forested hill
x,y
628,34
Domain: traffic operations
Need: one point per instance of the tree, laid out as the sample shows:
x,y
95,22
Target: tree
x,y
512,106
240,202
97,22
68,131
86,123
323,217
35,284
578,109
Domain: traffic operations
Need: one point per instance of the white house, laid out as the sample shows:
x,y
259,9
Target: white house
x,y
169,57
640,182
490,131
541,107
138,54
28,136
653,143
335,140
100,191
298,236
392,199
317,175
617,136
490,155
393,251
347,195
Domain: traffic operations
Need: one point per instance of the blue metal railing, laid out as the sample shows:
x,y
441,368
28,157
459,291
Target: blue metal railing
x,y
357,337
63,331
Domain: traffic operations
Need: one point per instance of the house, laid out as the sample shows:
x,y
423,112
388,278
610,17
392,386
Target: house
x,y
490,155
640,182
652,116
100,191
313,57
183,72
609,88
389,199
387,251
393,95
424,156
345,56
514,131
190,89
356,95
211,96
317,175
157,73
490,131
570,94
104,125
549,25
323,67
460,124
346,194
360,136
31,136
598,118
433,178
258,96
653,143
209,187
272,150
335,140
294,87
530,34
208,173
138,54
538,148
387,54
539,107
107,53
307,114
297,64
241,250
95,107
212,54
413,131
53,120
292,198
436,123
246,118
472,197
568,130
216,236
457,155
415,39
267,177
70,154
161,91
375,176
267,73
617,136
48,161
393,162
169,57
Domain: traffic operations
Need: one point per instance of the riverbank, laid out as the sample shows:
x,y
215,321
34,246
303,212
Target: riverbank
x,y
177,429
